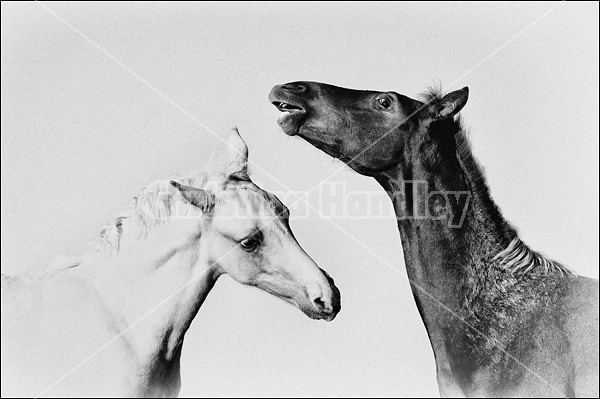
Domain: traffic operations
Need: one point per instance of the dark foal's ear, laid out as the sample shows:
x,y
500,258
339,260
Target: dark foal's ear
x,y
196,196
451,104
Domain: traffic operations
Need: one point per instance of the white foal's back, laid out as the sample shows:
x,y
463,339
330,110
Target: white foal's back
x,y
51,323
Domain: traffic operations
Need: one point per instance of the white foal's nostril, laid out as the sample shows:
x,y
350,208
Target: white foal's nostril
x,y
322,305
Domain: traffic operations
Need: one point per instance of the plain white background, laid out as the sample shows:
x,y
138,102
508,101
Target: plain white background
x,y
81,135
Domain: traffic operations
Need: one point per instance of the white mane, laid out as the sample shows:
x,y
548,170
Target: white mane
x,y
150,208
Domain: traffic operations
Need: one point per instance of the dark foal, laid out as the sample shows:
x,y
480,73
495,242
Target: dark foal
x,y
502,319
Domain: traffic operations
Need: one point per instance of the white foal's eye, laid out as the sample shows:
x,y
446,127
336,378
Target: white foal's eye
x,y
251,243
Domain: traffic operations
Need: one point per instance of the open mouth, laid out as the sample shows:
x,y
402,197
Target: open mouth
x,y
285,107
291,116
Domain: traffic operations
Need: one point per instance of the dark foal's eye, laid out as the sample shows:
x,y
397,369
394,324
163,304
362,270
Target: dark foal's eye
x,y
251,243
384,102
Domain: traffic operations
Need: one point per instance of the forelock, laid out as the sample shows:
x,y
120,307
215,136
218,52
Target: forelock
x,y
432,95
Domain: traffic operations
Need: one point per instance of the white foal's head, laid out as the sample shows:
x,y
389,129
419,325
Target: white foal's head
x,y
246,233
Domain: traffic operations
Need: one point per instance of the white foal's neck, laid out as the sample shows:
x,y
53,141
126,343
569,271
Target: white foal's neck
x,y
153,279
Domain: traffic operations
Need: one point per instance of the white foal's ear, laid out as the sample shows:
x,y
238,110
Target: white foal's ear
x,y
452,103
238,155
198,197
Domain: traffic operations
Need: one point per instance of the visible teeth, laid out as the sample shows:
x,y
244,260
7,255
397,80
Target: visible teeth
x,y
285,107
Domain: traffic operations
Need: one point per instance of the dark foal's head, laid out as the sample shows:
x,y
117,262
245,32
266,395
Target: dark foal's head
x,y
370,131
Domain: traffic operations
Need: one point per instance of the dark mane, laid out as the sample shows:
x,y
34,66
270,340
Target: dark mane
x,y
472,170
476,179
516,256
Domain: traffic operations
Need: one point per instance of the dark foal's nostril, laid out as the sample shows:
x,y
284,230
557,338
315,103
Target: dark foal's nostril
x,y
297,88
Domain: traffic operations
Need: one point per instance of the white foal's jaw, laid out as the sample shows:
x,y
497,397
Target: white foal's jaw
x,y
249,238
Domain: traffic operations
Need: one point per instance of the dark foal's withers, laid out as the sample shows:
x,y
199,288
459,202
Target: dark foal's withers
x,y
502,319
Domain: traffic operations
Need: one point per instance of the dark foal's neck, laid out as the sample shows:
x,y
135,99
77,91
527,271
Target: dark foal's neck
x,y
451,233
449,226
